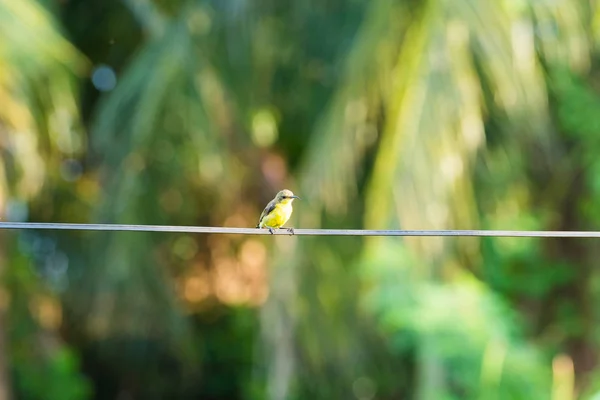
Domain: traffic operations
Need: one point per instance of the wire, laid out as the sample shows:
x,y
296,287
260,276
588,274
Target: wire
x,y
297,232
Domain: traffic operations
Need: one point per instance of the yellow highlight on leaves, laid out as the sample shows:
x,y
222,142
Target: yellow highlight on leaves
x,y
264,128
563,382
253,254
47,311
196,289
4,299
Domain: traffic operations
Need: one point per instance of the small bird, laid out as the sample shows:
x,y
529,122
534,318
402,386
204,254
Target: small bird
x,y
278,211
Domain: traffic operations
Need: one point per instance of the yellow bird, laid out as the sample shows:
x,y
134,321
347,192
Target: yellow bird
x,y
277,212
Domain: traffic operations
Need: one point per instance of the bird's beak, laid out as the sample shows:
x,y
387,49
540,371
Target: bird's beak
x,y
296,197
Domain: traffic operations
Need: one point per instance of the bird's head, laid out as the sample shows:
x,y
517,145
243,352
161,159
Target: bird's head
x,y
286,196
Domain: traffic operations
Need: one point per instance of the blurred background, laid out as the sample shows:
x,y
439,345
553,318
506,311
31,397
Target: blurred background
x,y
380,114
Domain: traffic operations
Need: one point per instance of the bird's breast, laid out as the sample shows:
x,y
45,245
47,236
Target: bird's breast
x,y
279,216
285,211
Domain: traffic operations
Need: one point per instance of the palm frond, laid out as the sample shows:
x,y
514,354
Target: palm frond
x,y
39,118
348,126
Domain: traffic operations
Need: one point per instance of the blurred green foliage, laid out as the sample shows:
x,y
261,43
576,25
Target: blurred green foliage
x,y
382,114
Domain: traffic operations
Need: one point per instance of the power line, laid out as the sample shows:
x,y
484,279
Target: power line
x,y
297,232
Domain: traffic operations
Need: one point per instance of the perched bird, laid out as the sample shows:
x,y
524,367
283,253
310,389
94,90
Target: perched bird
x,y
277,212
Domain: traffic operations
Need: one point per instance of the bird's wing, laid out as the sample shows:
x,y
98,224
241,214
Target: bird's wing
x,y
270,207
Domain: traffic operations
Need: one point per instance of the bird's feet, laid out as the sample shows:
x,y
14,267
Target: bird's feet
x,y
272,231
291,231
